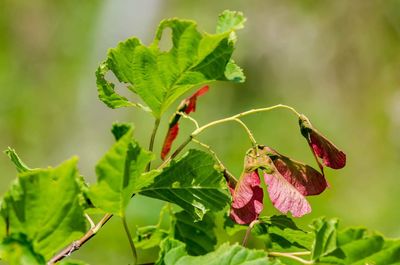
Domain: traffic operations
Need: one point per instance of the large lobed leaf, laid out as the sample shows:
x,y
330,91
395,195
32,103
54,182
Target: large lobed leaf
x,y
120,173
173,253
160,77
193,183
44,206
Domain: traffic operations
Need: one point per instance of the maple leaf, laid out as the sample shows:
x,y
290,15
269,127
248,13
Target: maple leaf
x,y
321,147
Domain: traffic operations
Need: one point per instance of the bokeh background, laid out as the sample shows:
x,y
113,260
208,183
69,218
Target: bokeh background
x,y
336,61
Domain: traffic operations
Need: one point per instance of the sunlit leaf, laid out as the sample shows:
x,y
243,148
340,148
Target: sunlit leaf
x,y
280,233
193,183
120,174
19,165
18,250
325,237
44,204
160,77
173,253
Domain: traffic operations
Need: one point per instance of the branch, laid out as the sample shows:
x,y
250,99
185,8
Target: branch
x,y
78,243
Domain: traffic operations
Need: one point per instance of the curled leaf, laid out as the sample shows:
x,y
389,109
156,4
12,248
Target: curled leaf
x,y
187,106
321,147
290,181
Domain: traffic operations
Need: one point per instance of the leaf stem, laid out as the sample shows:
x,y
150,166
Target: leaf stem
x,y
290,256
249,133
152,138
246,236
128,234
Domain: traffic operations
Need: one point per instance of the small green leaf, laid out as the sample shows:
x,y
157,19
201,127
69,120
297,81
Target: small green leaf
x,y
120,129
161,77
119,175
280,233
20,166
192,183
149,236
44,204
199,237
230,20
173,253
325,237
359,246
18,250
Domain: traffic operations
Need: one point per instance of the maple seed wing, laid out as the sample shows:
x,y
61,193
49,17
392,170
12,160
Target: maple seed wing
x,y
321,147
247,198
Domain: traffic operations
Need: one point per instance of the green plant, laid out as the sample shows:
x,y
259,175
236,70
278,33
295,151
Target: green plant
x,y
45,213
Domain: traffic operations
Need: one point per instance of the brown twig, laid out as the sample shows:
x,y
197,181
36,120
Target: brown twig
x,y
78,243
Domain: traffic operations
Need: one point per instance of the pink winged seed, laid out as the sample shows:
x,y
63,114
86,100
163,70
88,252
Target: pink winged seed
x,y
304,178
285,197
324,149
247,199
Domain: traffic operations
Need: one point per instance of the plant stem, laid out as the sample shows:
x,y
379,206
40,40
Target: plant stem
x,y
152,138
78,243
128,234
237,116
252,139
246,236
290,256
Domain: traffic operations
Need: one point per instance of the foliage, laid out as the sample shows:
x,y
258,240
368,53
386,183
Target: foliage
x,y
48,209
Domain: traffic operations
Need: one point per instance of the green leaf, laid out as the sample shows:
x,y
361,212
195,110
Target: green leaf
x,y
107,92
199,237
18,250
160,77
325,237
119,175
44,204
192,183
280,233
20,166
359,246
72,262
173,253
230,21
149,236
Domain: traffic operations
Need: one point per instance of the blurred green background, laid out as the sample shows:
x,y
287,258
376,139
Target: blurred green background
x,y
336,61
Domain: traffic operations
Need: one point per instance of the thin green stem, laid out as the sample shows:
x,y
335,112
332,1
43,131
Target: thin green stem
x,y
246,236
249,133
128,234
184,115
237,116
290,256
209,150
152,138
